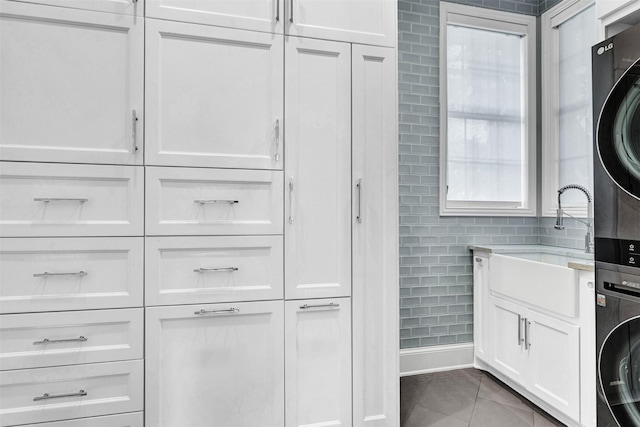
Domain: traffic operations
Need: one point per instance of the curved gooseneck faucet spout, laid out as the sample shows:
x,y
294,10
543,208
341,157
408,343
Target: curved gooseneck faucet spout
x,y
588,238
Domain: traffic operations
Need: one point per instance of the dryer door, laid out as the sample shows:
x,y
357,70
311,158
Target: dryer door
x,y
619,369
618,134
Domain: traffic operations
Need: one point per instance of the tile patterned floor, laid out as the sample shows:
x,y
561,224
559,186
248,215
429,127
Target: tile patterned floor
x,y
466,398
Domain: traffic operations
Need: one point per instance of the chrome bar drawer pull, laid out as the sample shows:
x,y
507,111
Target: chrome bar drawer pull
x,y
59,199
277,156
205,270
211,202
58,396
47,274
290,200
48,341
331,305
359,186
291,12
134,122
203,311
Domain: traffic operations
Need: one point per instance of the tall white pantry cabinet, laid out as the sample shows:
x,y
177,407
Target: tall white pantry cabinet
x,y
198,213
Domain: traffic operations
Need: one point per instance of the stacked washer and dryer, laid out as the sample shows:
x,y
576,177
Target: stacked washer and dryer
x,y
616,97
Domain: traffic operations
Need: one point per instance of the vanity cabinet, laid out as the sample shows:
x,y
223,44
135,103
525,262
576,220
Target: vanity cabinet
x,y
71,84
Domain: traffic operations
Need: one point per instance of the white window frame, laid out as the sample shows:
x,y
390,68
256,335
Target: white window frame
x,y
506,22
550,21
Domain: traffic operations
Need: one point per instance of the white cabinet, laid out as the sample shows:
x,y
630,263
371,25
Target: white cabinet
x,y
215,365
481,333
318,362
71,83
257,15
374,246
126,7
214,96
317,175
54,274
190,270
507,343
358,21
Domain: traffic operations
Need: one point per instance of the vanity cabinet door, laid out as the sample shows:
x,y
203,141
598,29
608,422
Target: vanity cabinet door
x,y
72,84
215,365
507,338
553,362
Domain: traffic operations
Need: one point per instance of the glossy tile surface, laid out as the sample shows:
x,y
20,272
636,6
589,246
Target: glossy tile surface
x,y
466,398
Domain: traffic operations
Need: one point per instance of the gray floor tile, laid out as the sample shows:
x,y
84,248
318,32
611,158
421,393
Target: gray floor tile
x,y
423,417
488,413
493,389
545,420
451,394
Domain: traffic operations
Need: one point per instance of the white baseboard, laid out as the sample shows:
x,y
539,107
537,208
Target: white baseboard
x,y
424,360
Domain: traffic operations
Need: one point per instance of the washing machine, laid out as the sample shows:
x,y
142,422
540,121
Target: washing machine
x,y
616,97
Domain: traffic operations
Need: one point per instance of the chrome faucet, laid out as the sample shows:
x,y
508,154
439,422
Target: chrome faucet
x,y
588,238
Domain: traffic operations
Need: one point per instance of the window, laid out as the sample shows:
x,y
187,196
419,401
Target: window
x,y
487,98
568,32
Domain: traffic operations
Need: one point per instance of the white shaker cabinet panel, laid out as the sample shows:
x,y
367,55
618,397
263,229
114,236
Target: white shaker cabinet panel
x,y
190,270
318,173
213,201
358,21
42,199
71,83
257,15
507,328
65,392
39,274
134,419
214,96
122,7
70,337
318,362
215,365
375,248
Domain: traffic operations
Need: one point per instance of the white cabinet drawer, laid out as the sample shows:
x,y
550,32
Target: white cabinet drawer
x,y
135,419
69,338
190,270
49,274
39,199
53,394
226,113
122,7
215,368
70,81
213,201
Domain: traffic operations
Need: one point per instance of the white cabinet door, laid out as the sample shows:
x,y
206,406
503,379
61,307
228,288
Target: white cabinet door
x,y
318,175
507,343
223,366
553,368
375,249
70,338
357,21
481,332
54,274
72,85
45,199
214,96
65,392
210,269
257,15
198,201
318,362
126,7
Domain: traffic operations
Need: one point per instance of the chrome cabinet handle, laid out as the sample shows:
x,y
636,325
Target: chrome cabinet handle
x,y
519,330
47,274
331,304
229,311
210,202
58,396
359,186
205,270
134,122
48,341
277,10
59,199
291,11
290,200
527,337
277,156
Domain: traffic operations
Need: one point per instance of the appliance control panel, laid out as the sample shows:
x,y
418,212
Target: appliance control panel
x,y
618,251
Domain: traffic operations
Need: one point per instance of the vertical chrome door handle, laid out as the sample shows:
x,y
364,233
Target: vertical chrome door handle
x,y
134,129
277,156
277,10
291,11
519,330
527,337
359,187
290,200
